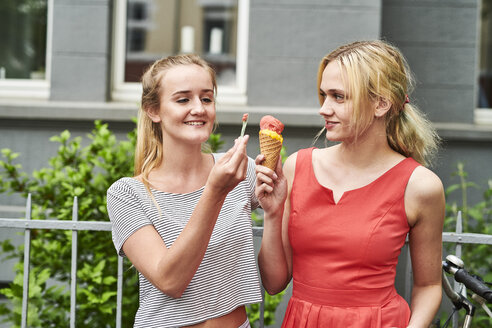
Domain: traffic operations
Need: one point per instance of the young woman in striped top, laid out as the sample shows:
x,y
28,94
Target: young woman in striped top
x,y
184,219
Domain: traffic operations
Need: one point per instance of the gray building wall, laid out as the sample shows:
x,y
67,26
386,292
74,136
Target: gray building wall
x,y
287,38
439,39
81,58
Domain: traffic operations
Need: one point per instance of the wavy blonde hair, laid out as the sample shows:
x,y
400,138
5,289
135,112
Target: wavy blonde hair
x,y
377,69
149,149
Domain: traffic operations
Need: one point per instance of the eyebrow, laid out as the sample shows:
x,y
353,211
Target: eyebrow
x,y
332,91
189,91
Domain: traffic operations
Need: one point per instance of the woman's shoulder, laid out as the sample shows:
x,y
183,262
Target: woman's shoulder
x,y
424,182
424,188
424,197
126,181
126,184
290,163
301,153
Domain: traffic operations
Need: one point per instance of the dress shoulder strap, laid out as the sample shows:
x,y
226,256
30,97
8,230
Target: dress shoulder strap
x,y
304,167
393,183
404,169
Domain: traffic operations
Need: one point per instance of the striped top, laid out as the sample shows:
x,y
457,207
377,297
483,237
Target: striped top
x,y
226,278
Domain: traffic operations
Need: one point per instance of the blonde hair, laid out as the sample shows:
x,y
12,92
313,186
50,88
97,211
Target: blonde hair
x,y
149,149
377,69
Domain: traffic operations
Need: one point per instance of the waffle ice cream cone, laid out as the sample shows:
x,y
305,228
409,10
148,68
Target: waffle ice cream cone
x,y
270,147
270,140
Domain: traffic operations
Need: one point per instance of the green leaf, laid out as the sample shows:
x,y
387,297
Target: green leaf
x,y
78,191
109,280
452,188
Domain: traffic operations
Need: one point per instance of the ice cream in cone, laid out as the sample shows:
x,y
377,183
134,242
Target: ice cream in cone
x,y
270,140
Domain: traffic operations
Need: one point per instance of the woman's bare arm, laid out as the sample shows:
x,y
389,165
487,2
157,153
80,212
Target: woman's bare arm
x,y
425,206
275,257
171,269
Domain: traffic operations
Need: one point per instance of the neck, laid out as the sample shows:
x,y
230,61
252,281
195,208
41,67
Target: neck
x,y
369,148
183,169
179,159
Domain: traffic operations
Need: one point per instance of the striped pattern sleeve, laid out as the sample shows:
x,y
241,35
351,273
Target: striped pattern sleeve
x,y
126,212
251,179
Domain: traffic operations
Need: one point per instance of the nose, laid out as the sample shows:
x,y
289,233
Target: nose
x,y
198,107
326,109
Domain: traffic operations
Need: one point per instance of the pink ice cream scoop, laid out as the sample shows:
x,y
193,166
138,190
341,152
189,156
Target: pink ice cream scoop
x,y
268,122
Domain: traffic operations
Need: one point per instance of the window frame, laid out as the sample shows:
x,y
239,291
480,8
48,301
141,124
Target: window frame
x,y
27,88
122,91
482,116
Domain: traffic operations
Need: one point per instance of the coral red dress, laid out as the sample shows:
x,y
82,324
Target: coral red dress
x,y
345,254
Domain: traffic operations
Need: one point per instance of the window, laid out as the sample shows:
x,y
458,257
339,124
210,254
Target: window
x,y
146,30
485,56
24,55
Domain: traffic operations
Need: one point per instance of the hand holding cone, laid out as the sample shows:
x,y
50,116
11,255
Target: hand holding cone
x,y
271,140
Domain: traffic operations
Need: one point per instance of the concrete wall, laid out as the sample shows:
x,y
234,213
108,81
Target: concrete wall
x,y
439,39
288,39
81,50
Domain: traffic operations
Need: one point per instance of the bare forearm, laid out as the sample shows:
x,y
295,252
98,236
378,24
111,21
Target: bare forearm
x,y
424,306
271,258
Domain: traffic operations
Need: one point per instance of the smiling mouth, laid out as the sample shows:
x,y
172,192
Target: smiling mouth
x,y
195,123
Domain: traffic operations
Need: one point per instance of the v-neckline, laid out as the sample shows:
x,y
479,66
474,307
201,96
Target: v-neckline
x,y
344,193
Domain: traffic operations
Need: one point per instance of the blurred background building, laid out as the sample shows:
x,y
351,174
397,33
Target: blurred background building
x,y
66,63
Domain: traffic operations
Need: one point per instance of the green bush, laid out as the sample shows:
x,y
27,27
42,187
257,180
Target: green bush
x,y
84,172
477,218
271,303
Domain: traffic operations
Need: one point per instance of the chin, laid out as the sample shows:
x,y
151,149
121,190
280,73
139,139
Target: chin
x,y
201,140
334,138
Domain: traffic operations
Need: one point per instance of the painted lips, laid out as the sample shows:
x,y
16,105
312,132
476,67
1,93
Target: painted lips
x,y
329,124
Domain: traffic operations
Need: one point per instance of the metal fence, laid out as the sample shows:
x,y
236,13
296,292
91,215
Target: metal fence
x,y
27,225
458,237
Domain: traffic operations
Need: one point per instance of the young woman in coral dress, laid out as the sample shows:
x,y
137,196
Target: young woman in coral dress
x,y
336,218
